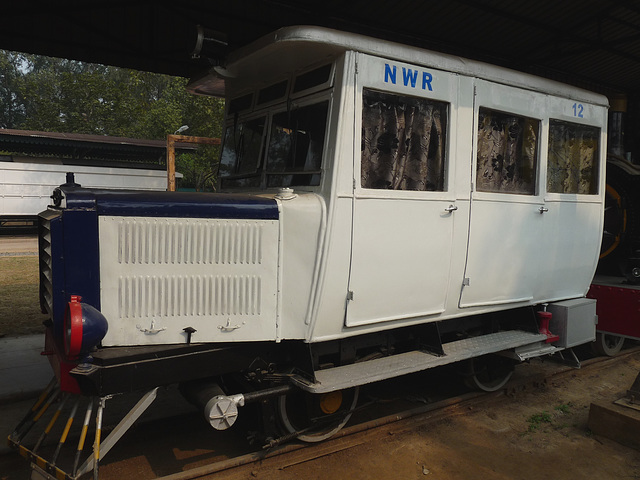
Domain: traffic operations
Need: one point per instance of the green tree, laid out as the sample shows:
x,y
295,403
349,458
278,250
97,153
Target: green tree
x,y
59,95
198,168
12,110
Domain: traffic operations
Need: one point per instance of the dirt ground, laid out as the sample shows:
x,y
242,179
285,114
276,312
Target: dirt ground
x,y
535,434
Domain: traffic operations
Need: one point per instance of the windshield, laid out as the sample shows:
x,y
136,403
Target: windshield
x,y
293,153
295,146
241,152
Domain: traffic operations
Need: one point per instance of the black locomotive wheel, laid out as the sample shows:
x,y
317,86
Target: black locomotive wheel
x,y
620,252
615,221
488,373
316,416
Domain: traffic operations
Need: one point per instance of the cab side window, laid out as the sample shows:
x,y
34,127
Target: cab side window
x,y
507,155
573,158
403,142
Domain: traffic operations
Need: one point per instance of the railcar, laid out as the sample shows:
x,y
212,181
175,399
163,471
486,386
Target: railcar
x,y
382,210
26,186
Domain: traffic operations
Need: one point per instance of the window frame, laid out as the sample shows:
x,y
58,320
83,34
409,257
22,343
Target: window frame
x,y
445,108
268,111
244,119
295,96
446,88
312,99
562,109
537,160
513,101
596,166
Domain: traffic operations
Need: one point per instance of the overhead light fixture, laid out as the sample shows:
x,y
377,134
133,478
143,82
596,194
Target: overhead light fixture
x,y
208,43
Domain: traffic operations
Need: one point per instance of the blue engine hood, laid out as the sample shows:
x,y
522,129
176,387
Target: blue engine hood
x,y
170,204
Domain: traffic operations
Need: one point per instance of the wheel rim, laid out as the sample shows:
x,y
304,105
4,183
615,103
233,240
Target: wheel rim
x,y
318,416
608,344
488,373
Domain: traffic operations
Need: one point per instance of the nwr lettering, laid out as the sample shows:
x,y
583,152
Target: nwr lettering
x,y
409,77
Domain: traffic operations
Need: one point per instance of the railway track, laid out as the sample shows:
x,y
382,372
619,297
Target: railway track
x,y
285,456
161,445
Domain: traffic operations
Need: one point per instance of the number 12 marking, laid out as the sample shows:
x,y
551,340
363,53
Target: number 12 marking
x,y
578,110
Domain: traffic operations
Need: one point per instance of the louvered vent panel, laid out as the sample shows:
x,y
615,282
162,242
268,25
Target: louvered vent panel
x,y
46,261
168,241
181,295
161,275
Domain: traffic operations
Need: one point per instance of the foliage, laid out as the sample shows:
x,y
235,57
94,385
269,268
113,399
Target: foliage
x,y
12,110
198,168
563,408
537,419
59,95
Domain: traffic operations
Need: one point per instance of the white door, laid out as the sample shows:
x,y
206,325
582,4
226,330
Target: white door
x,y
575,185
403,204
507,203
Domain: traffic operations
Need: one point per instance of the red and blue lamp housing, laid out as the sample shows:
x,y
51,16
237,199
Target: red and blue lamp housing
x,y
84,328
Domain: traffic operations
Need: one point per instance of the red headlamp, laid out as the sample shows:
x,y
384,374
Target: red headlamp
x,y
84,327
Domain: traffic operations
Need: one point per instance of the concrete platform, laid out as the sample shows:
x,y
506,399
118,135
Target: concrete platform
x,y
24,373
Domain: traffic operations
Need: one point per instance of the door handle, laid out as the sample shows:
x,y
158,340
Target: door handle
x,y
543,209
451,208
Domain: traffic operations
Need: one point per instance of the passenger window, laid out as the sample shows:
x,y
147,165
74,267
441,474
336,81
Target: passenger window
x,y
241,149
296,145
573,158
403,142
240,157
507,153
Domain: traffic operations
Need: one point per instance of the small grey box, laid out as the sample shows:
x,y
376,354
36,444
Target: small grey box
x,y
574,321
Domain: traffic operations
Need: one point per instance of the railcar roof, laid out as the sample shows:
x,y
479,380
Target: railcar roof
x,y
292,48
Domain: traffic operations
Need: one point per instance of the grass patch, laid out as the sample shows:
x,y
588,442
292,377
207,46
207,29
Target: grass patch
x,y
19,296
537,420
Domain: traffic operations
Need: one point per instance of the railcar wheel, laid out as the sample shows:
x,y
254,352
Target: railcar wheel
x,y
488,373
607,345
317,416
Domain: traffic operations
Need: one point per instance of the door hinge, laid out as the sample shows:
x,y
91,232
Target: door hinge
x,y
466,282
349,296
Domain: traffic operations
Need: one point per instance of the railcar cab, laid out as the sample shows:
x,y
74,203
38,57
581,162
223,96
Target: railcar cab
x,y
449,188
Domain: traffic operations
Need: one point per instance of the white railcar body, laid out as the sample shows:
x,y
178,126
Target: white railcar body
x,y
352,257
379,202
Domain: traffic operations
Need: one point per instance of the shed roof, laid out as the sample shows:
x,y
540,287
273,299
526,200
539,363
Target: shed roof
x,y
591,43
83,149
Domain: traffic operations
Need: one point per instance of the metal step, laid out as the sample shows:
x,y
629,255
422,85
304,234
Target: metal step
x,y
347,376
535,350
